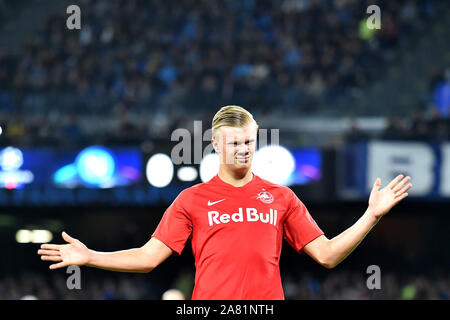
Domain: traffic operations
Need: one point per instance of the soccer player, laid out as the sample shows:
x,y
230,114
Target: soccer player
x,y
236,223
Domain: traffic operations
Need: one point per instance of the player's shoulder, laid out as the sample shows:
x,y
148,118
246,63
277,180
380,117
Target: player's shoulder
x,y
191,190
195,189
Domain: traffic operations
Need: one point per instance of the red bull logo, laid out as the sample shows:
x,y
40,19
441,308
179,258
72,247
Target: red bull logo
x,y
265,197
247,214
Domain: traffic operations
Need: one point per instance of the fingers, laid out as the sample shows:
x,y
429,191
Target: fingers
x,y
50,246
403,190
376,185
58,265
68,238
401,197
51,258
49,252
394,182
400,185
50,255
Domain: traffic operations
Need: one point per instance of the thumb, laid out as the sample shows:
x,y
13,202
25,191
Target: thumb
x,y
376,185
68,238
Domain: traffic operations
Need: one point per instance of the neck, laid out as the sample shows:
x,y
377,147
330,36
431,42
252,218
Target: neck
x,y
235,178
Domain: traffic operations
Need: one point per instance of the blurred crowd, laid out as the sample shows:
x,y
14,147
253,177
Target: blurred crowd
x,y
351,285
69,131
420,126
29,285
144,66
337,285
430,122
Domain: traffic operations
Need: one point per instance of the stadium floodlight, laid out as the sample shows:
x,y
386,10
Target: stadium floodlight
x,y
23,236
95,165
159,170
41,236
11,159
33,236
274,163
11,177
209,166
187,173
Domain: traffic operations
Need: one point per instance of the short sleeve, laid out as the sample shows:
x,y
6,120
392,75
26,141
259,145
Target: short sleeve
x,y
175,226
299,227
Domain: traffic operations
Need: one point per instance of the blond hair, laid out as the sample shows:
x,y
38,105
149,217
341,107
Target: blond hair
x,y
232,116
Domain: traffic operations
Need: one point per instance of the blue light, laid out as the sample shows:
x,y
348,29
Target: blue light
x,y
65,174
96,166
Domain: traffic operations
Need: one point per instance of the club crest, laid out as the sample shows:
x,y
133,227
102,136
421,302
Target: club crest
x,y
265,197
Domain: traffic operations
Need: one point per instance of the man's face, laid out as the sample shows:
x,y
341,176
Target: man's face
x,y
236,146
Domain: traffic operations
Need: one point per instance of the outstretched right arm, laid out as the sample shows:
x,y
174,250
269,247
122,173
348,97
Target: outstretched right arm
x,y
143,259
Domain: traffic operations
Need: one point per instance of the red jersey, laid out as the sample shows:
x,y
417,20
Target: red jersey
x,y
236,236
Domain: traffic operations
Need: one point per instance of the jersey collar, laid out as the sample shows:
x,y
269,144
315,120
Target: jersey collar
x,y
228,186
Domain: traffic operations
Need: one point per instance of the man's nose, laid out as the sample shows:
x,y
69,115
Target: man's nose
x,y
243,148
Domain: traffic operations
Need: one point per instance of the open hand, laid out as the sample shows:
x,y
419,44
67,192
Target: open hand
x,y
72,253
381,201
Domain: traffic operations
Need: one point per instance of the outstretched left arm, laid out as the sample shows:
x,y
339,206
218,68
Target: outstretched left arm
x,y
330,253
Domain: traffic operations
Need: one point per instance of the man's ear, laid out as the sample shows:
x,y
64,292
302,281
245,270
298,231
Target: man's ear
x,y
215,145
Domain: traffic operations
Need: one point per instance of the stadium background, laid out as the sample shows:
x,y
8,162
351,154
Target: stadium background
x,y
352,102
